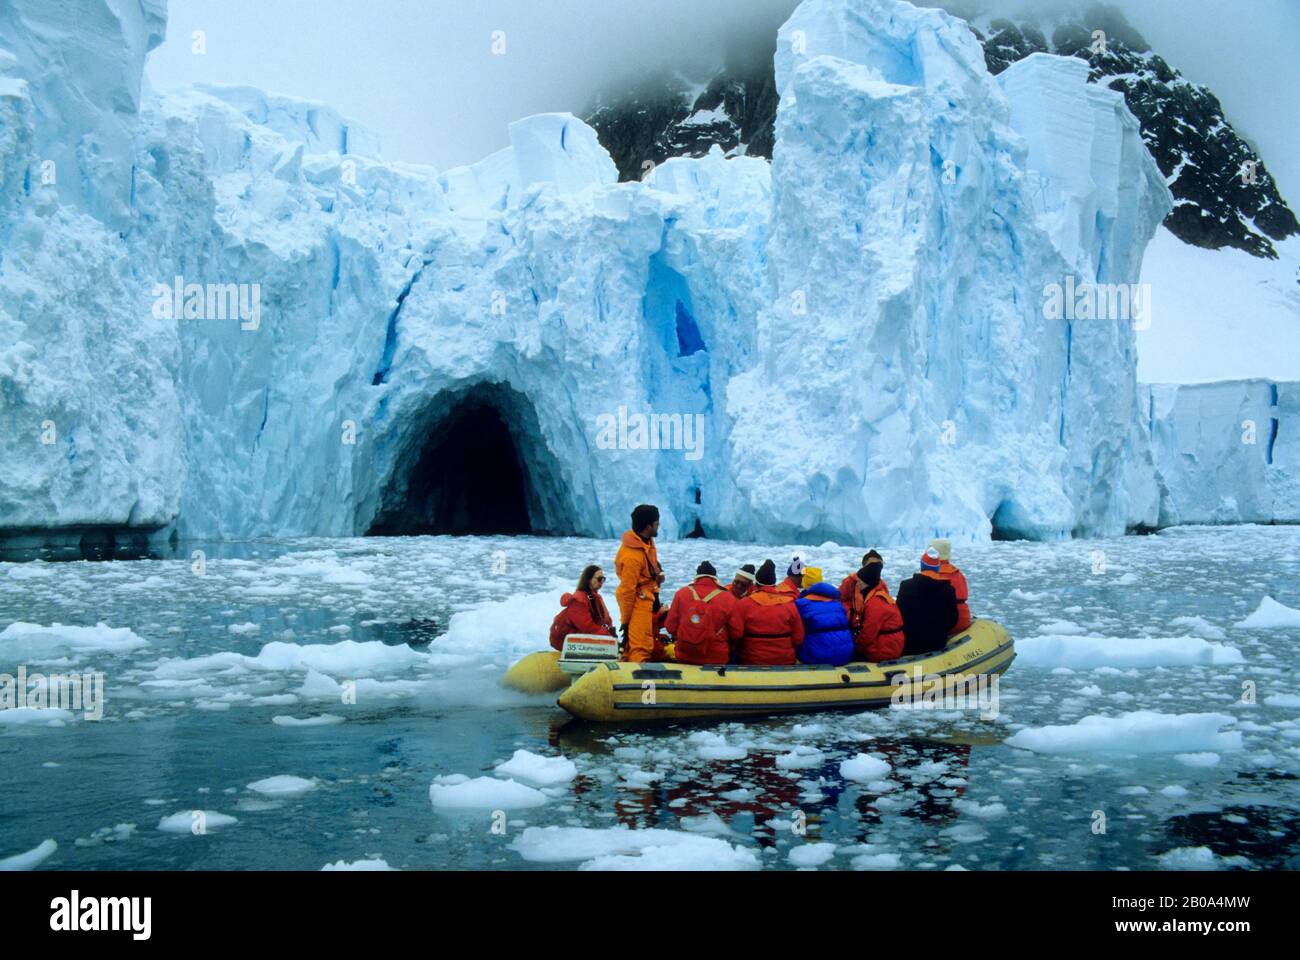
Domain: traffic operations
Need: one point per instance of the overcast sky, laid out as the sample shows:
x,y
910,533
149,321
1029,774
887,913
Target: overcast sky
x,y
423,74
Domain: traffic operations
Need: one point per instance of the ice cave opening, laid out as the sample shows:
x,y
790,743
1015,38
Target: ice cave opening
x,y
479,466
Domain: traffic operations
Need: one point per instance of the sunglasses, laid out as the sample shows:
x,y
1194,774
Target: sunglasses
x,y
597,579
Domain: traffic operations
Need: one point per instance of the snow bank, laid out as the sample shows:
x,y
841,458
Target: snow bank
x,y
620,848
1142,731
1090,652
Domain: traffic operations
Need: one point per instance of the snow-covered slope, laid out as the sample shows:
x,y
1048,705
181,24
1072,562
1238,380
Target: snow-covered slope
x,y
851,343
1220,314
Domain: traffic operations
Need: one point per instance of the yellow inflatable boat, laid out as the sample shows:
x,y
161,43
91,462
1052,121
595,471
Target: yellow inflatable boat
x,y
639,692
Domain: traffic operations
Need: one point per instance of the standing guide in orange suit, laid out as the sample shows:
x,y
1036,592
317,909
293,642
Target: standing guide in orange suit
x,y
639,580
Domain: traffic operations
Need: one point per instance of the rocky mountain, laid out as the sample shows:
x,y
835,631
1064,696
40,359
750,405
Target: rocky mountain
x,y
1224,195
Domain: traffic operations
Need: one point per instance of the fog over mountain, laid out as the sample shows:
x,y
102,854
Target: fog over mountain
x,y
423,75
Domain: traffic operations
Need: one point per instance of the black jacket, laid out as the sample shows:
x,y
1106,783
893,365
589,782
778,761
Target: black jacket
x,y
929,609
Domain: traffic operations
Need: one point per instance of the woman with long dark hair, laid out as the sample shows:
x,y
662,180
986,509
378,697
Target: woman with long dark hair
x,y
583,610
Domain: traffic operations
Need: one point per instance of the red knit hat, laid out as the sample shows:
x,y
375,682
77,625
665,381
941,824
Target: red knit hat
x,y
930,560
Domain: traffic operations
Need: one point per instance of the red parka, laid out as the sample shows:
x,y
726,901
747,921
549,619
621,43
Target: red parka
x,y
848,586
766,628
700,622
877,625
582,612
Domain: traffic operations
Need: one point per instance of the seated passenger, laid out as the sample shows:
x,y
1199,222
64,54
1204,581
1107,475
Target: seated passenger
x,y
958,580
793,582
928,604
743,582
765,626
874,619
583,610
849,585
700,619
826,636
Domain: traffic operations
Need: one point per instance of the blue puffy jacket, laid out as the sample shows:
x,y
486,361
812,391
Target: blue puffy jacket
x,y
826,628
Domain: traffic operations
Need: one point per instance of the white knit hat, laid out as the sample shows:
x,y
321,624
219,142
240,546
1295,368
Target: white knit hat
x,y
943,548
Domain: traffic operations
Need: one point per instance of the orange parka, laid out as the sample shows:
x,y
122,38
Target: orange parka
x,y
958,581
637,567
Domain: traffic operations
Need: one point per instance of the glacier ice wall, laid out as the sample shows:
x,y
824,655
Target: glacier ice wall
x,y
917,218
1226,452
858,326
90,419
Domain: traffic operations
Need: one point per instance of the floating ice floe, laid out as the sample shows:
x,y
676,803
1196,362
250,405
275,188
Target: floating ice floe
x,y
188,820
1202,758
1091,652
1142,731
1199,626
876,861
322,720
537,770
31,859
985,811
800,758
358,865
864,768
619,848
483,793
1198,858
1271,615
31,641
35,716
506,629
283,785
350,658
714,746
811,854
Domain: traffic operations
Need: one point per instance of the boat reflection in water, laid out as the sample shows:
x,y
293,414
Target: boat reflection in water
x,y
755,796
